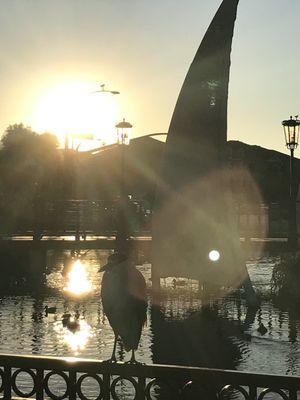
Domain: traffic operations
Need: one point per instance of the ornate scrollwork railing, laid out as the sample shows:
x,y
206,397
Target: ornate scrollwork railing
x,y
69,378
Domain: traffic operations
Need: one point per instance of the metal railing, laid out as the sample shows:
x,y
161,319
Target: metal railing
x,y
83,216
100,217
70,378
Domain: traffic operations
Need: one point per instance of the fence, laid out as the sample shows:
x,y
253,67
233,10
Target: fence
x,y
77,216
62,378
100,217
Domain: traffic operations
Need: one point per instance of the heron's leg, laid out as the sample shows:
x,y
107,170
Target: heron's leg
x,y
113,356
132,360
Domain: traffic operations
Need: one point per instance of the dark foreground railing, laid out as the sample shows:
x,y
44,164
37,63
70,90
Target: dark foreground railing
x,y
63,378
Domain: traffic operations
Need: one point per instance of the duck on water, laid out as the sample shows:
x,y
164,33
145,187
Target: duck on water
x,y
50,310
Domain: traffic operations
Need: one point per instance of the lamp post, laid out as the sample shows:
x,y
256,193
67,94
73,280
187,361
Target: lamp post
x,y
123,140
291,133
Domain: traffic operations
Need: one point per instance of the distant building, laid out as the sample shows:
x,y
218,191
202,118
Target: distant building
x,y
259,180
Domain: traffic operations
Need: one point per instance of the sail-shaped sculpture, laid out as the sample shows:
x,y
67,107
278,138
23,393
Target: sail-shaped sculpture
x,y
198,129
193,223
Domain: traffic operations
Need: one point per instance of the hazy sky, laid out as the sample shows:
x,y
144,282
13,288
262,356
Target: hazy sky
x,y
143,48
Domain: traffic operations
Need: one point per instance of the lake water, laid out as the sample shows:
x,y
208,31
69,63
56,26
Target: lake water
x,y
178,330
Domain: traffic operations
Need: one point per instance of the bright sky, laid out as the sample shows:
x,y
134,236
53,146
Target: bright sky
x,y
143,48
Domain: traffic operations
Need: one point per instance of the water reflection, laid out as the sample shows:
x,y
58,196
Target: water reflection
x,y
78,280
200,339
77,339
73,332
178,331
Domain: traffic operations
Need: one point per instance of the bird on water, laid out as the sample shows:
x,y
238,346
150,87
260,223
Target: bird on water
x,y
50,310
123,294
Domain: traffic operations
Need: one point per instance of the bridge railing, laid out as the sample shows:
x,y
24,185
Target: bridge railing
x,y
100,217
61,217
69,378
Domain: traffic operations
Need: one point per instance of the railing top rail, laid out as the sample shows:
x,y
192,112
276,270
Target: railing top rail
x,y
149,370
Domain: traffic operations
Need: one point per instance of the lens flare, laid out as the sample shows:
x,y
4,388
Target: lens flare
x,y
77,280
214,255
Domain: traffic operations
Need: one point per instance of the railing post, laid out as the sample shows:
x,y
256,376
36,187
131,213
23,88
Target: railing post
x,y
293,394
106,386
72,387
39,384
141,388
7,383
252,393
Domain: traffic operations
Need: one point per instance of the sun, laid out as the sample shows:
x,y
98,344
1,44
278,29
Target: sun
x,y
75,110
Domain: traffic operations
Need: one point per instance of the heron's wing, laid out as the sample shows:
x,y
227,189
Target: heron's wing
x,y
124,303
112,295
136,284
137,293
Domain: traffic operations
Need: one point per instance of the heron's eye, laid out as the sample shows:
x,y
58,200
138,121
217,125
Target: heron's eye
x,y
214,255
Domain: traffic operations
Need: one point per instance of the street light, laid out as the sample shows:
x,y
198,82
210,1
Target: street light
x,y
123,139
291,133
123,132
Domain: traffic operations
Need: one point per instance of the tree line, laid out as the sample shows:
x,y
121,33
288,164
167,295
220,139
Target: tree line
x,y
31,168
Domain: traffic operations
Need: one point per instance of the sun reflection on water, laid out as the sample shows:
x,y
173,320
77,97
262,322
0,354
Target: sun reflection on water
x,y
77,340
78,280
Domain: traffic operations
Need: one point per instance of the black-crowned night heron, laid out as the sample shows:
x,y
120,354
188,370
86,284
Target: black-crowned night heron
x,y
123,294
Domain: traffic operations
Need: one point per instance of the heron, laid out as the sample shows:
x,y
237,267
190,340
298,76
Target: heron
x,y
123,294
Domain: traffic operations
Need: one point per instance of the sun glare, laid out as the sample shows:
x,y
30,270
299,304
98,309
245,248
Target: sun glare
x,y
77,341
77,280
74,109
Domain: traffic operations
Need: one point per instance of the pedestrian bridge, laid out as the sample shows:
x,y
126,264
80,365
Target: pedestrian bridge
x,y
88,224
78,217
83,218
41,378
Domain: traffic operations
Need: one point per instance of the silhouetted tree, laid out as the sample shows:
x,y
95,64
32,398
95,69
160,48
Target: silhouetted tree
x,y
30,168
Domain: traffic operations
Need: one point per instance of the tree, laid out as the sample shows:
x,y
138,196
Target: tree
x,y
30,166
